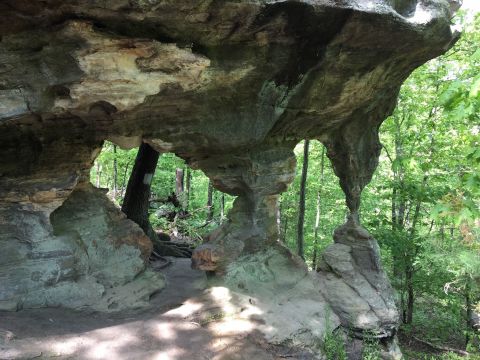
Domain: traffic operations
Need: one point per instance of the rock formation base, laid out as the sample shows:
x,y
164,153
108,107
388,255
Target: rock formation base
x,y
89,256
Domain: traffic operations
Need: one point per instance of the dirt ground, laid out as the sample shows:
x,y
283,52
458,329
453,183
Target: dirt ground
x,y
181,323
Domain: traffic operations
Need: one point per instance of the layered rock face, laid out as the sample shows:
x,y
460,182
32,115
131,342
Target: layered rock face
x,y
231,87
85,254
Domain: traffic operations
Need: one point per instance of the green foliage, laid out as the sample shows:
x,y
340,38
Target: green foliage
x,y
334,346
163,186
371,347
332,212
159,222
413,355
431,161
102,173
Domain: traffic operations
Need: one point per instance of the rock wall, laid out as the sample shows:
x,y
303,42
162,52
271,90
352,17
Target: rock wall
x,y
231,87
85,254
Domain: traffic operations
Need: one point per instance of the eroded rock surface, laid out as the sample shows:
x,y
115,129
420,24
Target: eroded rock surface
x,y
231,87
356,286
86,254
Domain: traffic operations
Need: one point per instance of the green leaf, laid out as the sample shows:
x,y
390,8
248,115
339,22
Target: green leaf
x,y
475,89
476,55
451,94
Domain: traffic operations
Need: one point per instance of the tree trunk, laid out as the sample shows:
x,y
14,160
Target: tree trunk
x,y
115,172
394,206
409,266
442,231
285,229
318,212
137,200
210,202
279,220
137,197
222,207
410,270
99,172
398,205
401,210
301,203
188,181
398,195
469,315
124,180
410,294
179,187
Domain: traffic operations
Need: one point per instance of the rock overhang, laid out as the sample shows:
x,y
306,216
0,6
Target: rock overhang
x,y
230,86
283,70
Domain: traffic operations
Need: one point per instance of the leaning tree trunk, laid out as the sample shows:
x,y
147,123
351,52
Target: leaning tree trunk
x,y
301,204
137,199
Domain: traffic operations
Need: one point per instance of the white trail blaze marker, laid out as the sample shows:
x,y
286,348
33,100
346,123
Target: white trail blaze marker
x,y
147,179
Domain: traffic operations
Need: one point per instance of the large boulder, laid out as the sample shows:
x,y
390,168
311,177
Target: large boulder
x,y
88,256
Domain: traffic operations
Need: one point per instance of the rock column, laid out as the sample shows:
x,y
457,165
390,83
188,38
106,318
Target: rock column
x,y
256,177
352,274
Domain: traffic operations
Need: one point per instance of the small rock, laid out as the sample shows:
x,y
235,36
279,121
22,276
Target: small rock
x,y
6,336
206,257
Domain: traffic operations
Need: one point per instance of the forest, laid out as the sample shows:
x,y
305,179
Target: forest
x,y
422,205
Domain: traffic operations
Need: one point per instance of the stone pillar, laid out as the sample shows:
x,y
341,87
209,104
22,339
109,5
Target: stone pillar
x,y
256,177
350,269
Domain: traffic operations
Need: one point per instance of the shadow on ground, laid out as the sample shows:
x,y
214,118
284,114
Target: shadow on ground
x,y
186,320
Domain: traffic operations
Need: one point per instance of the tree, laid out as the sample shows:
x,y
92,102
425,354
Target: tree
x,y
137,196
331,201
115,172
301,202
179,187
318,209
222,207
210,202
188,188
98,168
124,180
137,200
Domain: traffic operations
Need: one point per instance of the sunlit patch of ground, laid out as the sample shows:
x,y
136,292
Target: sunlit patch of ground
x,y
185,321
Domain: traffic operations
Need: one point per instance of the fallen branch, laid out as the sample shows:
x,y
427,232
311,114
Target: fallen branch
x,y
442,348
155,257
166,248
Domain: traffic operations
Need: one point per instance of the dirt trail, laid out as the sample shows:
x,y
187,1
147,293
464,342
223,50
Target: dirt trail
x,y
181,323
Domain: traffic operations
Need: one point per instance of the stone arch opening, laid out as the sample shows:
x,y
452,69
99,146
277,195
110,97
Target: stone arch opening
x,y
324,203
91,255
263,81
183,205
